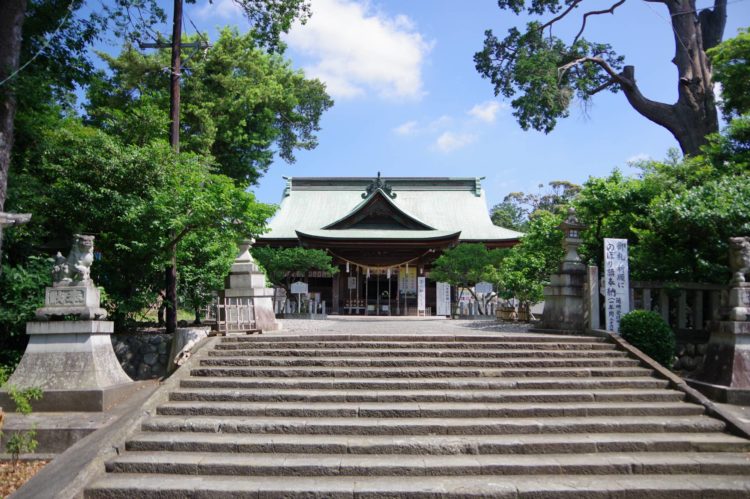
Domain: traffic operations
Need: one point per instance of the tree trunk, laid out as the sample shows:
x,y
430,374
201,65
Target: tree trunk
x,y
11,24
694,115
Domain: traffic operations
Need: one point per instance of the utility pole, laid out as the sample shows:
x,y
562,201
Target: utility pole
x,y
170,274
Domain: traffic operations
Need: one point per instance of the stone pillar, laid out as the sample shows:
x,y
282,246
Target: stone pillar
x,y
72,361
725,375
246,283
564,297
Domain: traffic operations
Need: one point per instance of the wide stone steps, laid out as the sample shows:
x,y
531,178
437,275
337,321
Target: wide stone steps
x,y
427,409
419,372
243,344
563,443
508,415
460,384
431,426
280,464
214,394
416,362
165,486
426,353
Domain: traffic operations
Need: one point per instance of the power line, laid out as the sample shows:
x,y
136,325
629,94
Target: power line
x,y
46,44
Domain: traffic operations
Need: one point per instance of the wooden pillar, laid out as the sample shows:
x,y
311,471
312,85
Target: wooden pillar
x,y
335,290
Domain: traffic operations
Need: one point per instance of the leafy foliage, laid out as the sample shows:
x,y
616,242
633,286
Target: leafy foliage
x,y
527,267
648,332
21,293
517,207
731,65
23,441
465,265
239,104
281,264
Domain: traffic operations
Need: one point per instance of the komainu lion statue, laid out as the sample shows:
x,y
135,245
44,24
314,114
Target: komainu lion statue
x,y
739,259
77,267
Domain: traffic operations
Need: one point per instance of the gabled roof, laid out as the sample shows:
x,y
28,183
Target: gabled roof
x,y
378,205
445,205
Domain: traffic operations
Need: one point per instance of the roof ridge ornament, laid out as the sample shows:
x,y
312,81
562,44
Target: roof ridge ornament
x,y
379,184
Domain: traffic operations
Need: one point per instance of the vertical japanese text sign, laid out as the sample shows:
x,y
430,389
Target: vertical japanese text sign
x,y
616,282
421,287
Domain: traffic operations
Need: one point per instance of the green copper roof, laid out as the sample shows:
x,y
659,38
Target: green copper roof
x,y
449,205
379,234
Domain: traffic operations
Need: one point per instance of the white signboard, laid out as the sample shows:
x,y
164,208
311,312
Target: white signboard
x,y
299,288
443,292
616,282
483,288
352,283
421,288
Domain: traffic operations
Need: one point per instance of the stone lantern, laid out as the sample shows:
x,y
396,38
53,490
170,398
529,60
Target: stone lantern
x,y
563,298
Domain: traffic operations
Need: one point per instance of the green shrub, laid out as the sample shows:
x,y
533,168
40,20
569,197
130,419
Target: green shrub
x,y
648,332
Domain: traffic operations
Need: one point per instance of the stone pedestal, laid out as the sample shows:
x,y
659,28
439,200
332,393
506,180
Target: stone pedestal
x,y
80,299
564,297
74,364
725,375
246,285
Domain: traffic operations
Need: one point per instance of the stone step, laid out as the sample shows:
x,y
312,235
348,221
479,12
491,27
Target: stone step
x,y
238,344
563,443
682,486
420,362
419,372
416,338
428,409
279,464
500,395
431,426
453,383
422,353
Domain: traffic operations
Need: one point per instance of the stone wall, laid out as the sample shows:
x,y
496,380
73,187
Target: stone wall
x,y
143,356
689,356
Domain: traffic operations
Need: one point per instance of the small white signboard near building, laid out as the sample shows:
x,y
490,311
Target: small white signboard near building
x,y
421,290
443,299
616,282
299,288
352,283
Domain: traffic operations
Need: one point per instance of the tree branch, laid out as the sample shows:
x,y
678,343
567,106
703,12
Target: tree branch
x,y
561,16
610,10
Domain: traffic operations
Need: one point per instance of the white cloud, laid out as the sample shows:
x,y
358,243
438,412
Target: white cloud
x,y
355,50
637,158
440,122
450,141
408,128
219,9
486,111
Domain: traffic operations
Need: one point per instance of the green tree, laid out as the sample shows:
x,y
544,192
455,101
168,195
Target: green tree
x,y
543,72
518,207
527,266
731,66
239,104
80,180
281,264
466,265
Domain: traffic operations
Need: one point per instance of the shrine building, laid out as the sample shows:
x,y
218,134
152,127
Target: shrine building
x,y
383,234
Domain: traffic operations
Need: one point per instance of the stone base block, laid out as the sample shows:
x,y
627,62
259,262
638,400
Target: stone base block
x,y
722,394
73,363
727,356
93,400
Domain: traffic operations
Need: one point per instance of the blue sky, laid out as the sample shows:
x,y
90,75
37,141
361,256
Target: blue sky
x,y
410,103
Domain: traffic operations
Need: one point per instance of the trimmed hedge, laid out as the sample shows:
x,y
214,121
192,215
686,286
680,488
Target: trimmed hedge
x,y
648,332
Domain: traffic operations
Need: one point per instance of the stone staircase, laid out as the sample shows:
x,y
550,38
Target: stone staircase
x,y
512,415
